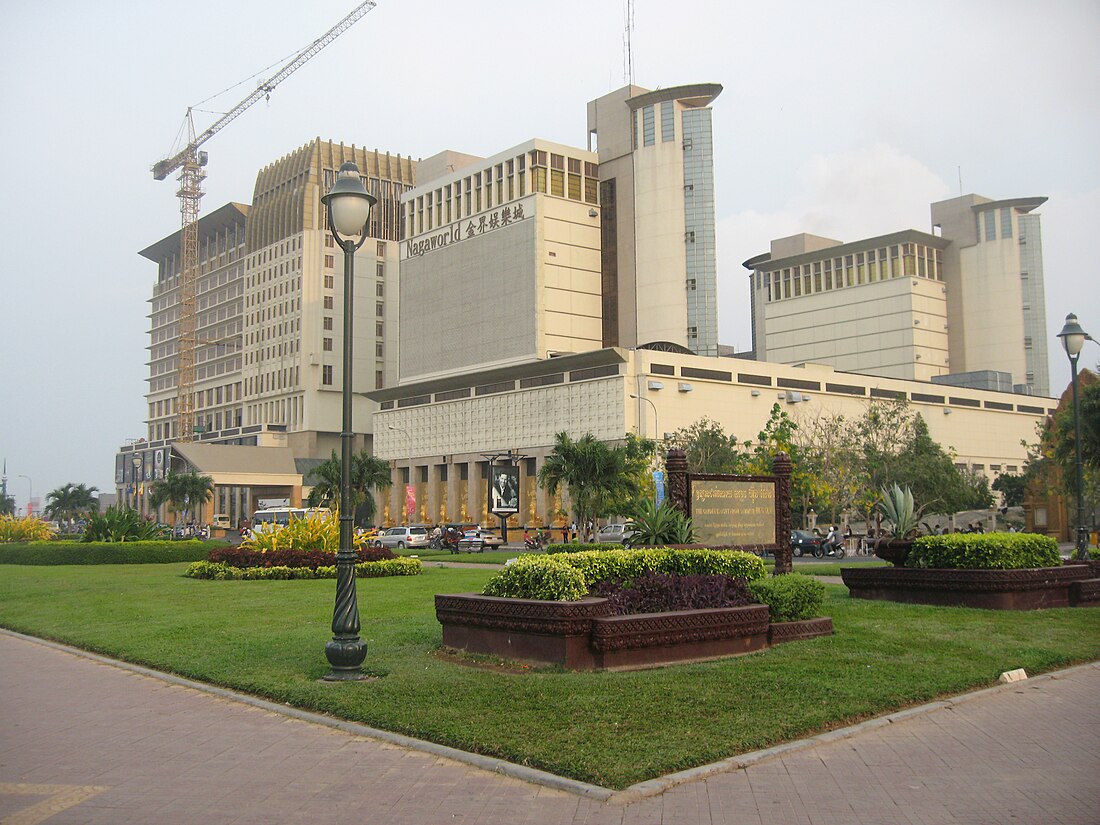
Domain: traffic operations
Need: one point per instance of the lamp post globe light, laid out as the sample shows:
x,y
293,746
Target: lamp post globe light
x,y
348,206
656,429
1073,339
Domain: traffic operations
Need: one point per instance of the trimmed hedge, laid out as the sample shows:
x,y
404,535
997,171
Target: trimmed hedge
x,y
791,597
554,574
623,565
538,577
107,552
984,551
578,547
220,571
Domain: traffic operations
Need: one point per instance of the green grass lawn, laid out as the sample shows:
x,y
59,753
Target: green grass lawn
x,y
612,729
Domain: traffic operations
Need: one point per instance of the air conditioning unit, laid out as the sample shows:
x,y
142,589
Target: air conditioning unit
x,y
792,397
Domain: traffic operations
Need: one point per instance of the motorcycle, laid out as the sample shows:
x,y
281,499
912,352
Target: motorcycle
x,y
450,540
533,542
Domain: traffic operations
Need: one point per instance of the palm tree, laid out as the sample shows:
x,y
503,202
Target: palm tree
x,y
181,492
68,502
367,472
602,479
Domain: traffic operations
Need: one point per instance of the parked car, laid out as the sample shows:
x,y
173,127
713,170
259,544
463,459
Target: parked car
x,y
613,533
806,543
476,540
491,540
401,537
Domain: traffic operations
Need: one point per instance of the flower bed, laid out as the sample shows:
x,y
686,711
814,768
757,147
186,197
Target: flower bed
x,y
998,571
536,609
364,570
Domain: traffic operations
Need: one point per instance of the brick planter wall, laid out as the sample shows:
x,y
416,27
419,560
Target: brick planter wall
x,y
1028,589
583,635
779,632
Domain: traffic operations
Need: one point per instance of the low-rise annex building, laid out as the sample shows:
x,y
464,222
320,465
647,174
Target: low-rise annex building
x,y
440,434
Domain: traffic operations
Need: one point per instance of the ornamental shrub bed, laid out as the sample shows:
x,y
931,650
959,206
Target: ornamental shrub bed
x,y
221,571
245,557
791,597
984,551
661,593
569,576
109,552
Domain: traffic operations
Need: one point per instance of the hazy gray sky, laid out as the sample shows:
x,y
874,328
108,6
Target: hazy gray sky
x,y
844,119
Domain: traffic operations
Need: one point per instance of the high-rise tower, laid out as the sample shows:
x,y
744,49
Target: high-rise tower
x,y
659,269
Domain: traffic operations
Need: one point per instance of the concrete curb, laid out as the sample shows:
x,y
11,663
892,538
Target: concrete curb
x,y
641,790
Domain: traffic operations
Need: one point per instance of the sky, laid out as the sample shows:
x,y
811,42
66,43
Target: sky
x,y
844,119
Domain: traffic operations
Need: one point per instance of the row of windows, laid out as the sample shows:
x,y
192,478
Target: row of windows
x,y
897,261
559,175
648,117
781,383
986,224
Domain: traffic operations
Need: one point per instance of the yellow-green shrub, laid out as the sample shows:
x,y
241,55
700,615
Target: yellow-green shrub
x,y
317,531
27,528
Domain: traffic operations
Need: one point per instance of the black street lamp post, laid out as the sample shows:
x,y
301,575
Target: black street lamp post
x,y
1073,338
348,207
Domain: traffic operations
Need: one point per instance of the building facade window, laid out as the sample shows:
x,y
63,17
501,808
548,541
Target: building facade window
x,y
326,375
668,122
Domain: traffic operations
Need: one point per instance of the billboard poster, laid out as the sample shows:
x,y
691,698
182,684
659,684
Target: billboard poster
x,y
120,464
504,490
410,502
147,465
659,485
158,463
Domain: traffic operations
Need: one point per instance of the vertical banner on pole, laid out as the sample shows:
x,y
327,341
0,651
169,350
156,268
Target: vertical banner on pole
x,y
659,484
410,502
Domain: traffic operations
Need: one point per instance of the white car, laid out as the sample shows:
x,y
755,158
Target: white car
x,y
401,537
613,534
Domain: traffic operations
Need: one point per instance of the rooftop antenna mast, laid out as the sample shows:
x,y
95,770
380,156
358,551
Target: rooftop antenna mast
x,y
628,51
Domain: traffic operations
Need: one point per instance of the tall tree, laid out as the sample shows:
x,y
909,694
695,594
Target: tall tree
x,y
929,471
181,492
7,505
1012,486
367,472
601,479
69,502
707,447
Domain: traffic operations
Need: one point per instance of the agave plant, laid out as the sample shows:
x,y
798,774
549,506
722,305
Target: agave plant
x,y
900,510
653,525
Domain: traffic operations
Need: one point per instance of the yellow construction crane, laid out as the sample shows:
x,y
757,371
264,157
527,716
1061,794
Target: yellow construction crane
x,y
190,161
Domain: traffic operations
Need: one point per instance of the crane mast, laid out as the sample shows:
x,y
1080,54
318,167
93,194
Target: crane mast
x,y
191,162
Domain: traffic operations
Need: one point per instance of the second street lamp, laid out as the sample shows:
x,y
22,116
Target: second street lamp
x,y
1073,338
348,206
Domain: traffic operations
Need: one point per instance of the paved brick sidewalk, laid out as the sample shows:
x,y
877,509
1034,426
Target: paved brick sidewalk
x,y
86,742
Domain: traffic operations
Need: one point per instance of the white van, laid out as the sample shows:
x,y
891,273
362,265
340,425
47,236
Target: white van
x,y
221,520
267,520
